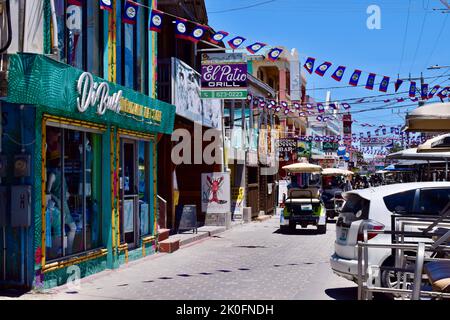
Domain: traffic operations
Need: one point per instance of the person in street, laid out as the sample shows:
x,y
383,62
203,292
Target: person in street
x,y
294,183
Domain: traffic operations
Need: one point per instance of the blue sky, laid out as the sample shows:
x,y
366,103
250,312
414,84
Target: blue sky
x,y
336,31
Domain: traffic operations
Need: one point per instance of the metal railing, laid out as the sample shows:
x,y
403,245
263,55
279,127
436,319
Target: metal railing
x,y
406,249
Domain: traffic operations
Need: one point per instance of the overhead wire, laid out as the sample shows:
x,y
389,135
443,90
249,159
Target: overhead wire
x,y
404,38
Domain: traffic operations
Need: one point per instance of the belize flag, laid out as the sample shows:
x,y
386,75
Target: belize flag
x,y
274,54
384,84
130,13
254,48
218,37
444,93
320,108
412,89
156,20
236,42
339,73
181,29
323,68
354,79
197,33
106,5
309,65
424,91
346,106
370,81
433,91
398,83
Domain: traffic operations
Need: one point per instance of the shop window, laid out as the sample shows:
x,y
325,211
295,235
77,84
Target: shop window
x,y
73,192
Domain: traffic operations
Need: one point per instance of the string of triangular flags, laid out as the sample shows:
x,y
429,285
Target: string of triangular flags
x,y
425,92
184,29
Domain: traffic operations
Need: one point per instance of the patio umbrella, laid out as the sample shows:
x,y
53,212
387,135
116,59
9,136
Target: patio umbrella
x,y
435,144
336,172
433,117
302,167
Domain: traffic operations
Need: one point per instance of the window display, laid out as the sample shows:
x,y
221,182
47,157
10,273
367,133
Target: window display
x,y
73,192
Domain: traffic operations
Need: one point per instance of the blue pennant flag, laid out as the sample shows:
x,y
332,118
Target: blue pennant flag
x,y
156,20
323,68
309,65
398,83
274,54
412,89
384,84
181,29
433,91
346,106
106,5
197,33
339,73
354,79
424,91
236,42
218,37
130,13
370,81
254,48
444,93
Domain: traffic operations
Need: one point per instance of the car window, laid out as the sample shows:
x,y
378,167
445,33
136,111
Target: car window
x,y
354,204
433,201
400,202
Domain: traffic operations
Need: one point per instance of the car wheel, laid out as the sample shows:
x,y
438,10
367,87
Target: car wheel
x,y
322,229
388,279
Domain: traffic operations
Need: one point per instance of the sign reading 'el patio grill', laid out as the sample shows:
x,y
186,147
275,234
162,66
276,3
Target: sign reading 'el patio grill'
x,y
224,76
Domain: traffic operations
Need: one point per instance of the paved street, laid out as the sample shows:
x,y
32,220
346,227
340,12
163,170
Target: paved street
x,y
252,261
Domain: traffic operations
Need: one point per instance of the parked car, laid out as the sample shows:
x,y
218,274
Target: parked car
x,y
373,208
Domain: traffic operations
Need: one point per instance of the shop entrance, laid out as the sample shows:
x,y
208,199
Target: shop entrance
x,y
129,192
134,173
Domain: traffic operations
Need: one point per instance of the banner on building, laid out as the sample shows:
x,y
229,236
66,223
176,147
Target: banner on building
x,y
224,76
186,97
216,196
304,149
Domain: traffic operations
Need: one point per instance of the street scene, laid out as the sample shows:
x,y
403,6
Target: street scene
x,y
213,151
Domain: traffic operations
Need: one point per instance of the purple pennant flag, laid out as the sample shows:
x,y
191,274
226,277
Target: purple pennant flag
x,y
370,81
320,108
339,73
323,68
412,89
354,79
398,83
346,106
309,64
384,84
130,13
433,91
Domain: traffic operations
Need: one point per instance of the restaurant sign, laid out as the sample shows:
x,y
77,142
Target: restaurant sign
x,y
224,76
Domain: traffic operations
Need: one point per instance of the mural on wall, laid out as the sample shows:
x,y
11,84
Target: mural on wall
x,y
216,192
186,97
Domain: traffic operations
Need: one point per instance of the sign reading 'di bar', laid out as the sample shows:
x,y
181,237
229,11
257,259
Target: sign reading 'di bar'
x,y
224,76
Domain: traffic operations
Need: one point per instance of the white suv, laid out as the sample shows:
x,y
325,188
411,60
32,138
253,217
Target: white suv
x,y
372,209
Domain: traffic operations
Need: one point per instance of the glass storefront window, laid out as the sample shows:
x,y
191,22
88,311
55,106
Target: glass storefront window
x,y
73,192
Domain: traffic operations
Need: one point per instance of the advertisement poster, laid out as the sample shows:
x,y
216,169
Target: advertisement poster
x,y
304,149
186,97
216,196
224,76
287,149
237,202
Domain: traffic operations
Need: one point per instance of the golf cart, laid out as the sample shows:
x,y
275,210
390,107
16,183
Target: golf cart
x,y
333,185
303,204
